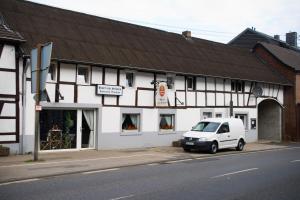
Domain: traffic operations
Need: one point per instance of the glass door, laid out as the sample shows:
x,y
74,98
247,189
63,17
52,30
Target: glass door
x,y
87,128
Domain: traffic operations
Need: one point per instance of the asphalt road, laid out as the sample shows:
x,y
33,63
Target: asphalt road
x,y
261,175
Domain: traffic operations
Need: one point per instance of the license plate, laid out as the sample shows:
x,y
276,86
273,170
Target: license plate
x,y
189,143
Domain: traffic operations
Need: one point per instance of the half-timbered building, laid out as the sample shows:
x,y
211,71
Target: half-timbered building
x,y
115,85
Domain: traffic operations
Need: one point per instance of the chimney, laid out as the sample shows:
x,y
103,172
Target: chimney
x,y
277,37
187,34
291,38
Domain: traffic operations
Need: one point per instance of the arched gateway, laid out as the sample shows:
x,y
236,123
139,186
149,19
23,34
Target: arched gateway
x,y
269,120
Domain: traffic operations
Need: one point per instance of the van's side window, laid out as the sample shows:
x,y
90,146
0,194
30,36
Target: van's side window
x,y
224,128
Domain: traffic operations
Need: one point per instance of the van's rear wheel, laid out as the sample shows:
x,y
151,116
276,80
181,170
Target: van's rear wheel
x,y
213,148
240,145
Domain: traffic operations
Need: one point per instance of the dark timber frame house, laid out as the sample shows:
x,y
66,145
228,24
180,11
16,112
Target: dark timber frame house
x,y
160,83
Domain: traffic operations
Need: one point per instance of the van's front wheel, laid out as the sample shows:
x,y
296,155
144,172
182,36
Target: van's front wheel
x,y
240,145
213,148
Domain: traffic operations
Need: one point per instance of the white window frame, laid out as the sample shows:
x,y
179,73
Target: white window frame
x,y
138,123
173,122
79,82
193,83
246,119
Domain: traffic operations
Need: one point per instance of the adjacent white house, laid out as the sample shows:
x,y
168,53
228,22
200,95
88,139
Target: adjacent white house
x,y
113,85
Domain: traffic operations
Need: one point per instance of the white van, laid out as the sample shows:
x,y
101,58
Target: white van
x,y
215,133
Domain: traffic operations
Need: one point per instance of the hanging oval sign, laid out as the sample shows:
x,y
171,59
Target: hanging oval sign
x,y
162,90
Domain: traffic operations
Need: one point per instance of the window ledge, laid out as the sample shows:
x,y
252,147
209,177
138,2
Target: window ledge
x,y
130,133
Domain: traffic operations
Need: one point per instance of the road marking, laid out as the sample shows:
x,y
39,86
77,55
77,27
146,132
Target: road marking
x,y
178,161
152,164
237,172
295,161
123,197
103,170
79,160
21,181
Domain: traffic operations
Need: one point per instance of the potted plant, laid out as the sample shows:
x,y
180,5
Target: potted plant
x,y
4,151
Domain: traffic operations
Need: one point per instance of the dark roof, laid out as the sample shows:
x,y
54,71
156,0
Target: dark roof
x,y
289,57
86,38
249,37
6,34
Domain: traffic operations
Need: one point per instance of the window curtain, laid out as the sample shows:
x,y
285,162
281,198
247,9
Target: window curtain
x,y
134,120
89,117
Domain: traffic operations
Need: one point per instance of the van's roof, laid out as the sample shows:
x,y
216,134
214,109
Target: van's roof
x,y
221,120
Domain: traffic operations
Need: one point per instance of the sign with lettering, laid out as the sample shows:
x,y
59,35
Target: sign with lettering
x,y
114,90
162,94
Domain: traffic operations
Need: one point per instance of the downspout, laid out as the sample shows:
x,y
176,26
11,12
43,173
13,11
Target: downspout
x,y
26,63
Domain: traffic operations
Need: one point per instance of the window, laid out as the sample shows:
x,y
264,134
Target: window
x,y
206,115
130,122
83,75
191,83
224,128
206,127
219,115
170,82
244,118
129,80
51,72
237,86
166,122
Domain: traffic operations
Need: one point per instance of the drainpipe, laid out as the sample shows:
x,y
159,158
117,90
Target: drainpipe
x,y
26,63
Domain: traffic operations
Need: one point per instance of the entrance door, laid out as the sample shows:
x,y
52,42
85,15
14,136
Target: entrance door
x,y
87,129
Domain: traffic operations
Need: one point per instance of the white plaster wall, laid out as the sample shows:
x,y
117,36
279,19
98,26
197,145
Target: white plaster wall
x,y
7,125
227,85
227,99
128,97
7,138
210,99
111,120
110,76
87,94
179,83
191,99
96,75
251,134
187,118
247,86
161,77
8,58
220,99
252,100
200,99
234,99
171,97
67,72
29,111
144,79
149,120
181,97
210,83
145,98
7,83
200,83
219,84
9,109
110,100
51,91
241,99
67,91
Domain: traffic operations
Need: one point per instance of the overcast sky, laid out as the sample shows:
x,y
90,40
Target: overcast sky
x,y
217,20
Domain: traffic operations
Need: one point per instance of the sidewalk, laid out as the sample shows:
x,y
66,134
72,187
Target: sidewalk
x,y
21,167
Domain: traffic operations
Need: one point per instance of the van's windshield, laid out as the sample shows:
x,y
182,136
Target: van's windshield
x,y
206,127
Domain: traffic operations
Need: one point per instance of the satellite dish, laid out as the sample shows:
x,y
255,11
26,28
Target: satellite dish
x,y
257,91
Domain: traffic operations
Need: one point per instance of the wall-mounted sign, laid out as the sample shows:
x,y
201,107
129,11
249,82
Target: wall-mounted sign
x,y
162,94
109,90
